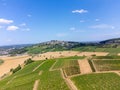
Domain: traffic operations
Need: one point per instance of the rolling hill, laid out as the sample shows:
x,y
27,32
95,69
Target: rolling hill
x,y
54,45
111,45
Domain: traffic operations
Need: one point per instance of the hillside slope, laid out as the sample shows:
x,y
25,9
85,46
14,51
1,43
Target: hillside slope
x,y
114,43
111,45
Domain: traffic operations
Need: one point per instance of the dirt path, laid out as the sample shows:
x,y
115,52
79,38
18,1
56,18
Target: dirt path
x,y
68,81
118,73
84,66
11,80
38,66
35,87
40,72
51,68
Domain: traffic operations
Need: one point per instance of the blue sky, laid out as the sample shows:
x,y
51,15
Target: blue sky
x,y
34,21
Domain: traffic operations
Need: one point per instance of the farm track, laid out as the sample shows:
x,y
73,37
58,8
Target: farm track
x,y
51,68
68,81
11,80
117,72
35,87
84,66
96,71
64,76
40,72
39,66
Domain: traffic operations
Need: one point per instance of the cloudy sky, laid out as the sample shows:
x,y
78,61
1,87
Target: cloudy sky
x,y
34,21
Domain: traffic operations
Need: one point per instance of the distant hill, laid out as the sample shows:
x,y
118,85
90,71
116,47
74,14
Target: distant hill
x,y
13,49
55,45
111,43
15,46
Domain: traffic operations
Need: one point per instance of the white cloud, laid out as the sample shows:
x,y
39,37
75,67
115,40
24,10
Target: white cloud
x,y
12,28
61,34
102,26
78,31
73,29
97,20
80,11
23,24
5,21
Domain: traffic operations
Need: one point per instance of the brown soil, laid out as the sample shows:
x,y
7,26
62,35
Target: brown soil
x,y
84,66
50,55
11,62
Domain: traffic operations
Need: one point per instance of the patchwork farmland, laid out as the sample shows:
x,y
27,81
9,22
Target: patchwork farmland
x,y
59,45
67,73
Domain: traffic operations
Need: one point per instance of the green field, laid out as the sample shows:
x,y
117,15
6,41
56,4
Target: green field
x,y
97,49
103,81
91,65
48,48
51,80
45,48
69,65
71,68
112,51
63,61
106,57
25,78
51,77
107,65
